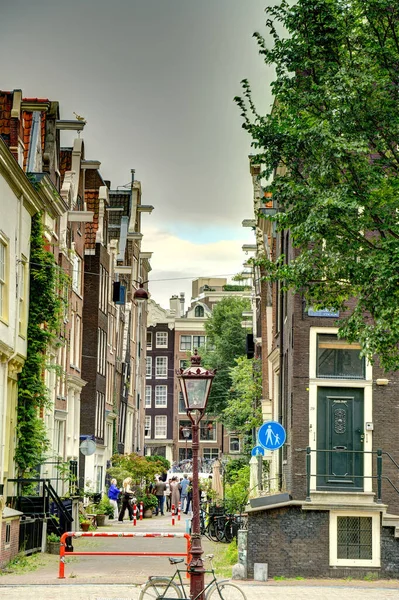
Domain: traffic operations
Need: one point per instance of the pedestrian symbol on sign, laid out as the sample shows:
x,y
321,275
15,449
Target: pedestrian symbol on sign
x,y
271,435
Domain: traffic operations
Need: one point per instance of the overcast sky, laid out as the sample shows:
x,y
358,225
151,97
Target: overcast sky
x,y
155,80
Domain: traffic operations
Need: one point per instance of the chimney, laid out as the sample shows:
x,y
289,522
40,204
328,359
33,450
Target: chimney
x,y
181,304
174,305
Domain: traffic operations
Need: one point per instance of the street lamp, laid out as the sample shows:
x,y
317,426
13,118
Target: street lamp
x,y
195,383
141,295
186,431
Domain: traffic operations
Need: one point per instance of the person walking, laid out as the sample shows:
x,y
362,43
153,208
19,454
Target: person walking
x,y
127,495
184,491
175,493
113,494
159,491
189,495
167,495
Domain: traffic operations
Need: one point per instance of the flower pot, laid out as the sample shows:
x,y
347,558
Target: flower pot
x,y
53,547
148,513
100,520
85,526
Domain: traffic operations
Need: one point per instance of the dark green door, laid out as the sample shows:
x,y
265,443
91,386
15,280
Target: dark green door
x,y
340,432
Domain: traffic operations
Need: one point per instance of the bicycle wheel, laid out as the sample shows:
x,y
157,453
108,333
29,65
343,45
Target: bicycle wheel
x,y
212,531
160,587
220,531
228,532
225,591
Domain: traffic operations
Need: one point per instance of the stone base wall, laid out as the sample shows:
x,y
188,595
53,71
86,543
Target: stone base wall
x,y
10,550
295,543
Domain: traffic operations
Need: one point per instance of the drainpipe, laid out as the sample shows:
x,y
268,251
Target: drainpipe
x,y
281,385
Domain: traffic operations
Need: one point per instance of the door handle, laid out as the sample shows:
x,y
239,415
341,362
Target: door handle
x,y
339,448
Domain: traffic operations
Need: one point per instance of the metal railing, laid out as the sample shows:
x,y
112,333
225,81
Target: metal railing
x,y
379,477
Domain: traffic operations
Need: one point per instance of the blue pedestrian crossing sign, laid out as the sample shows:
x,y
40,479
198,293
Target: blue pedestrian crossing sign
x,y
271,435
257,450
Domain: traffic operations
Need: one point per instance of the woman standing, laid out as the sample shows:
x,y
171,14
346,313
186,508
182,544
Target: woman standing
x,y
127,494
113,494
175,488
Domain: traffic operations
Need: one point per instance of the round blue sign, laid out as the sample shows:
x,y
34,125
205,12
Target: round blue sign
x,y
271,435
257,450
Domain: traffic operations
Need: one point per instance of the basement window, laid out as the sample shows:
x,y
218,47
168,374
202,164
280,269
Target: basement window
x,y
8,535
355,539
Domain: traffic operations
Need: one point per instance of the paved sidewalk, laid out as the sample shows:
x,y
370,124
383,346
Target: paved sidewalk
x,y
252,592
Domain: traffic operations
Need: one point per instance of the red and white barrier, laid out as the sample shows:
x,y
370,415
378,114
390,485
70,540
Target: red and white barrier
x,y
173,514
178,511
141,511
118,534
134,515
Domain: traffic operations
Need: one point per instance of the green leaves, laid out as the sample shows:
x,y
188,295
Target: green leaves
x,y
331,145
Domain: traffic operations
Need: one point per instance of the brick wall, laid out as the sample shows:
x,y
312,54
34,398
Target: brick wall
x,y
292,542
9,550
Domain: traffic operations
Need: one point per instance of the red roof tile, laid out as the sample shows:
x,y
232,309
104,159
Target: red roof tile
x,y
91,198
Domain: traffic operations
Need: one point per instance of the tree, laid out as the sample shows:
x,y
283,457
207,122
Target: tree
x,y
243,411
331,141
141,469
227,338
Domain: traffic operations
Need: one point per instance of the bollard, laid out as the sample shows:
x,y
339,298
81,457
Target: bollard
x,y
134,515
178,511
141,511
173,514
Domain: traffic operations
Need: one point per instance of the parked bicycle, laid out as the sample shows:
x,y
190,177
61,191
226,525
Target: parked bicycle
x,y
169,588
228,530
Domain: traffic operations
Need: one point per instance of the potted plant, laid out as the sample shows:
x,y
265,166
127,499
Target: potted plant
x,y
53,543
149,503
84,523
102,509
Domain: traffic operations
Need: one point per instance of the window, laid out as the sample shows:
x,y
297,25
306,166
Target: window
x,y
182,406
148,396
59,435
8,533
185,454
185,342
337,359
354,538
198,341
160,426
76,274
161,366
184,364
78,326
101,351
234,444
22,296
162,339
211,453
72,340
3,278
147,427
199,311
99,417
149,340
161,395
110,436
208,431
148,367
99,478
104,289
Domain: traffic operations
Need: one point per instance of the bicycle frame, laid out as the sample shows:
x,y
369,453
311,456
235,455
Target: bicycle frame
x,y
177,575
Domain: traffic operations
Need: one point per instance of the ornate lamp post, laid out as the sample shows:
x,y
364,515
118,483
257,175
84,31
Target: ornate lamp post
x,y
186,431
195,383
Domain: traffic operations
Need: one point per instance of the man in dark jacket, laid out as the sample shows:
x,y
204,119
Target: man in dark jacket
x,y
159,491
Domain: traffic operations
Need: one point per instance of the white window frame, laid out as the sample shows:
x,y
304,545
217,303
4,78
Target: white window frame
x,y
161,339
77,274
161,396
161,373
78,334
234,437
149,340
158,427
147,426
148,396
181,340
4,275
200,345
212,451
148,367
375,561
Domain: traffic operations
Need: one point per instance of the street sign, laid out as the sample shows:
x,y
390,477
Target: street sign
x,y
271,435
257,450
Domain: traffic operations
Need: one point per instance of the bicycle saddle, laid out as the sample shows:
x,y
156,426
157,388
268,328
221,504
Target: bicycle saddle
x,y
175,561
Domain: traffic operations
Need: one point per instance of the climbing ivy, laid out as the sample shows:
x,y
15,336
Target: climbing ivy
x,y
45,318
